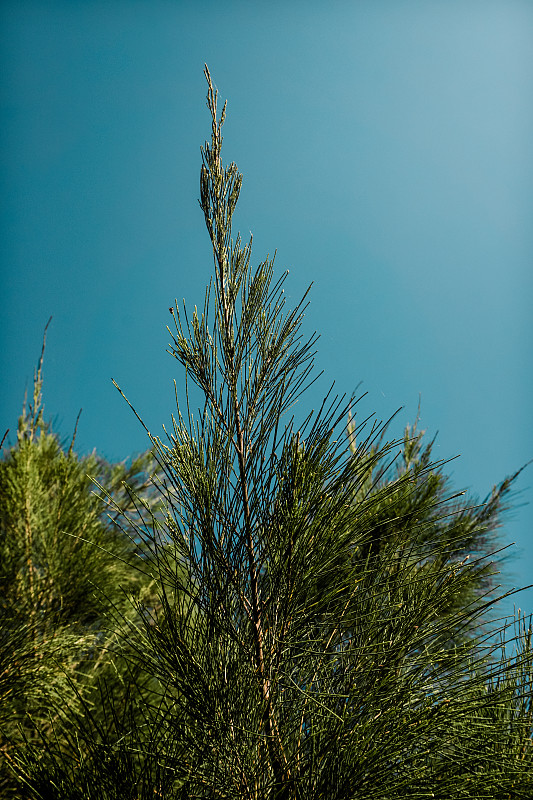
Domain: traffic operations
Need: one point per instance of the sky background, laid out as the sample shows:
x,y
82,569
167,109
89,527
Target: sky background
x,y
387,156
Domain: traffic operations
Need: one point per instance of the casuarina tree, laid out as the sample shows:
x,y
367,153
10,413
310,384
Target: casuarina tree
x,y
60,652
323,625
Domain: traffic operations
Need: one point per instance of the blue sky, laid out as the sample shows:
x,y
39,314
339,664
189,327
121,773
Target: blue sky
x,y
386,152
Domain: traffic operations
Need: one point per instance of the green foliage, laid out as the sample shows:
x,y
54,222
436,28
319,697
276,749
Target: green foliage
x,y
65,571
321,625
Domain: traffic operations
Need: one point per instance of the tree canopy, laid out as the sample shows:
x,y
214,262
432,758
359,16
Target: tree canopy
x,y
312,614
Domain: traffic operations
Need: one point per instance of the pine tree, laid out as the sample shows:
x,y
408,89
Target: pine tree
x,y
323,600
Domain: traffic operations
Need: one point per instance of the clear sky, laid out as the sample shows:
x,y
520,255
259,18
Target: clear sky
x,y
387,155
